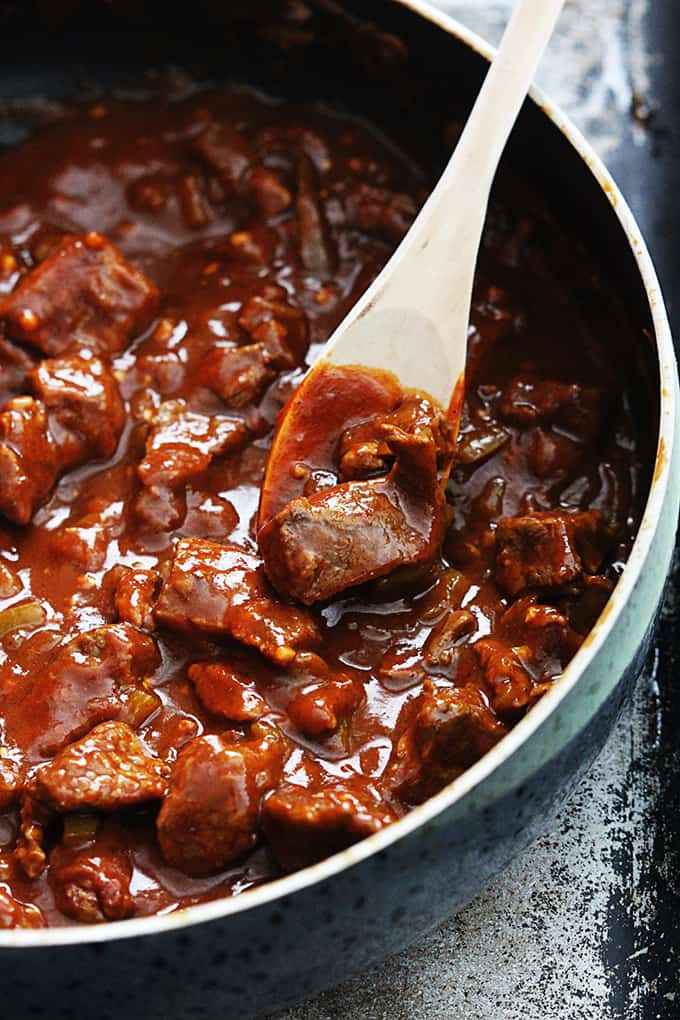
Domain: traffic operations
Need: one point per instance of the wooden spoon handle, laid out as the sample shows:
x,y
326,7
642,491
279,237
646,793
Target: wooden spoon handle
x,y
435,269
414,317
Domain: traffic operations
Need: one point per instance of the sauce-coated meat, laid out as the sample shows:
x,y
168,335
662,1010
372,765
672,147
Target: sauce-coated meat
x,y
84,292
209,818
221,589
216,667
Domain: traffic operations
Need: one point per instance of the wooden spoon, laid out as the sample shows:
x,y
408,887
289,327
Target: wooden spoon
x,y
413,319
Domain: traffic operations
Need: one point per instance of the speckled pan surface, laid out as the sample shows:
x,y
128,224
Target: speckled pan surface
x,y
305,932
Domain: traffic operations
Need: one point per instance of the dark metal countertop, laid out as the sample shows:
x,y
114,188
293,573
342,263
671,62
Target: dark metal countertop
x,y
586,924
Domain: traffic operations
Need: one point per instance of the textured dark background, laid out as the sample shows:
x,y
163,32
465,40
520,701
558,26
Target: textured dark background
x,y
586,924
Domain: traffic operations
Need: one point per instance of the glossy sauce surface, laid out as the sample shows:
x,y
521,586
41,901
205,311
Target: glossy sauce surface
x,y
258,225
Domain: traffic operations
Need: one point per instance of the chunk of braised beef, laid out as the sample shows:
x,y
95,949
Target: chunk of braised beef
x,y
528,401
12,775
91,886
83,543
443,732
447,635
225,692
319,707
227,152
209,517
508,680
108,769
10,581
583,610
269,318
553,456
389,214
84,405
270,191
340,537
238,375
29,853
136,595
222,590
279,336
80,686
210,816
77,414
305,826
84,291
193,201
14,913
542,634
365,449
256,246
15,364
29,459
181,446
548,549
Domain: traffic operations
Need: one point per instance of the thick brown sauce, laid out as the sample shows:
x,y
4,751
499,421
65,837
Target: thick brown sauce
x,y
85,174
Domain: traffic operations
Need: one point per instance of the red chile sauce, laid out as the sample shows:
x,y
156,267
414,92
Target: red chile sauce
x,y
172,728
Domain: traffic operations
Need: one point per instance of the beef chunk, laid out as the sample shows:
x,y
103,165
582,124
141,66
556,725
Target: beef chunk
x,y
12,774
81,686
92,886
270,319
365,449
108,769
227,152
388,214
304,826
577,409
210,817
256,246
193,202
545,636
16,914
182,444
221,589
84,291
29,459
135,596
279,336
180,447
319,707
85,410
548,550
447,635
84,543
269,191
225,692
340,537
508,680
78,415
29,853
239,375
15,364
443,732
10,581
